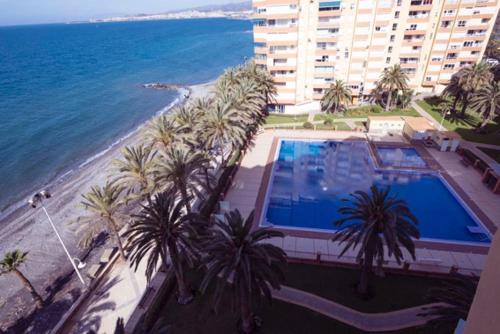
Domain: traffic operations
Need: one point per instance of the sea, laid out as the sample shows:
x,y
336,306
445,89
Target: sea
x,y
69,92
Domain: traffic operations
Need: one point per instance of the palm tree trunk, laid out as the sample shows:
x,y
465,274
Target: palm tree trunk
x,y
184,294
454,106
465,103
38,299
118,239
365,274
247,323
389,101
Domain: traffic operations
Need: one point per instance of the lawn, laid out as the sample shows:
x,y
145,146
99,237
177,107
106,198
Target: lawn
x,y
365,111
283,119
393,292
339,126
494,154
464,127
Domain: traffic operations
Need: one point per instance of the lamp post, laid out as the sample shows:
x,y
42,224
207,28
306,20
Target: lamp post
x,y
442,120
37,199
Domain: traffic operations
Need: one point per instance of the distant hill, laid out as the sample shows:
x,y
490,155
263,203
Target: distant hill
x,y
229,7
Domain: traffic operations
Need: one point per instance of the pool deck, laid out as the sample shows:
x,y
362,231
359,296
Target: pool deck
x,y
249,187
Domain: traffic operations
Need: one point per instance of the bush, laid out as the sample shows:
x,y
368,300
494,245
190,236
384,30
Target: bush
x,y
308,125
376,108
328,122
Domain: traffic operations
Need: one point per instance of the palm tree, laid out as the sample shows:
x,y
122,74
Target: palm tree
x,y
486,102
136,170
163,234
182,170
336,97
103,202
455,297
392,80
223,125
454,90
10,264
239,256
405,98
187,117
265,82
373,220
472,78
162,131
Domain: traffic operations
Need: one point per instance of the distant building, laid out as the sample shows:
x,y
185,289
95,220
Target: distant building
x,y
307,44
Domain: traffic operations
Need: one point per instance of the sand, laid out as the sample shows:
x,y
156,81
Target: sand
x,y
28,229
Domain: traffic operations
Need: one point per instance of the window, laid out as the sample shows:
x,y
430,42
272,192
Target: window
x,y
445,24
389,50
436,59
474,53
346,53
476,12
449,12
468,43
279,61
259,44
412,27
293,6
449,66
452,55
415,47
377,28
462,23
485,20
392,38
387,60
399,2
396,14
428,78
394,26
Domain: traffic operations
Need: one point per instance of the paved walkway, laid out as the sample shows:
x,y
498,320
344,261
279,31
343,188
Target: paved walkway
x,y
370,322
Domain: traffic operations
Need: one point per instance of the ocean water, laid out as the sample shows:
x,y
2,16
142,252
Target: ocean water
x,y
67,92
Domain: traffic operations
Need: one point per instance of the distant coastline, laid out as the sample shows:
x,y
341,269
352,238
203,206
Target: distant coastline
x,y
188,14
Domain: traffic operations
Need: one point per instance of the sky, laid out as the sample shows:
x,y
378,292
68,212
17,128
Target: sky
x,y
13,12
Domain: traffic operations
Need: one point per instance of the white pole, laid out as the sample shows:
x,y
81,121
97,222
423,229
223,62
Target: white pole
x,y
64,246
442,120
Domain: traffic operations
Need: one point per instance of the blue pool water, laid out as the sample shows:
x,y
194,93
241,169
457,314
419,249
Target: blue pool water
x,y
310,179
400,157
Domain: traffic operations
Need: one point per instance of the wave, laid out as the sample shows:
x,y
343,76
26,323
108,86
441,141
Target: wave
x,y
59,179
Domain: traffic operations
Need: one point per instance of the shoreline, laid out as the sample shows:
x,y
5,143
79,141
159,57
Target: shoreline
x,y
27,229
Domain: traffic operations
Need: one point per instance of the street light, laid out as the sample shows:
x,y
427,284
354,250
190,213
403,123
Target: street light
x,y
37,199
442,119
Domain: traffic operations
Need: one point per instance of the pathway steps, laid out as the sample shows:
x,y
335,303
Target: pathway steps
x,y
370,322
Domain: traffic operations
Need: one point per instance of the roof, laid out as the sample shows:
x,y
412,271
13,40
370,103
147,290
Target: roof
x,y
385,118
449,134
418,123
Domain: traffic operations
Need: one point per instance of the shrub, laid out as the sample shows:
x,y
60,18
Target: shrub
x,y
308,125
376,108
328,122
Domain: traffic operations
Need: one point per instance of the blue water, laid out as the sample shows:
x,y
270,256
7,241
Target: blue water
x,y
400,157
67,92
310,179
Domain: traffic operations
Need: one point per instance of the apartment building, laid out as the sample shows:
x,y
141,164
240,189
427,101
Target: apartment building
x,y
307,44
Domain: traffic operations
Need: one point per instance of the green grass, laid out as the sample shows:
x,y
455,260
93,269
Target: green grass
x,y
338,284
365,111
464,127
494,154
283,119
339,126
280,317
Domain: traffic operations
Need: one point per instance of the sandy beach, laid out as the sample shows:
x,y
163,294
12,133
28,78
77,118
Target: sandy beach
x,y
28,230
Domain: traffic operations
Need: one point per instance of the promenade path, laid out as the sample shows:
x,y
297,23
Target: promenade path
x,y
369,322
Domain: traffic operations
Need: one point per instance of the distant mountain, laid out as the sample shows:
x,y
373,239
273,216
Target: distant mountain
x,y
238,10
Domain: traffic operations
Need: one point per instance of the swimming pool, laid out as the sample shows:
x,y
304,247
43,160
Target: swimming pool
x,y
310,179
400,157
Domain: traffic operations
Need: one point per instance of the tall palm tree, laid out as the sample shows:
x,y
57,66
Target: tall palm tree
x,y
103,203
336,97
472,78
371,221
405,97
263,79
10,264
136,170
242,262
163,234
162,131
187,117
454,90
486,102
392,80
455,297
223,126
182,170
